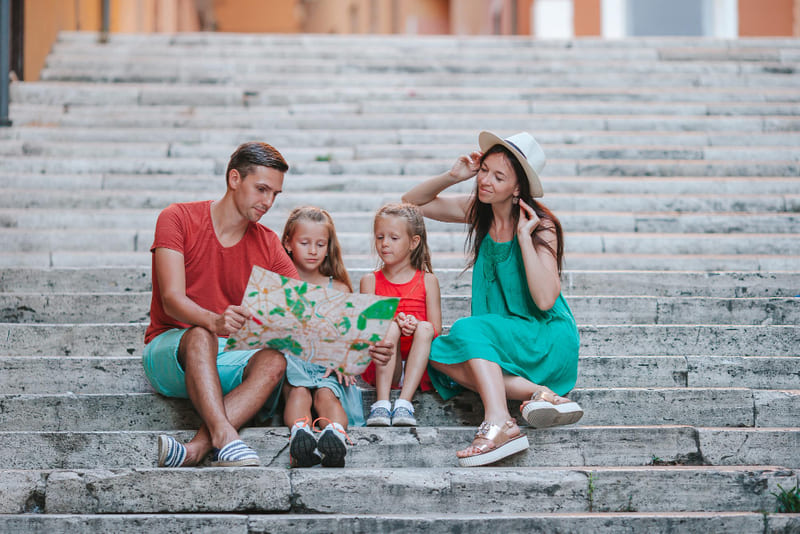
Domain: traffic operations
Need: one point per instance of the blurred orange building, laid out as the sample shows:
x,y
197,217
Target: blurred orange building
x,y
563,19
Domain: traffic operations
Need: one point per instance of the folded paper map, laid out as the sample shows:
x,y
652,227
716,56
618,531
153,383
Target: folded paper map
x,y
315,323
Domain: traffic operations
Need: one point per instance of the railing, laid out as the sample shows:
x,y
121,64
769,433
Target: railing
x,y
5,60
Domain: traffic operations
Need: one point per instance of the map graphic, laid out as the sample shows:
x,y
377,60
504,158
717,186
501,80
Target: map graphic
x,y
315,323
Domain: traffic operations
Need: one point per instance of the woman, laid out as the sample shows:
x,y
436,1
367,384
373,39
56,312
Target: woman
x,y
521,341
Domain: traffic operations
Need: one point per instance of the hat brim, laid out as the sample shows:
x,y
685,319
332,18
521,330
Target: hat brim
x,y
487,140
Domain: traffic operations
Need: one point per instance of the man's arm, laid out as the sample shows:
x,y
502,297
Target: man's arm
x,y
170,272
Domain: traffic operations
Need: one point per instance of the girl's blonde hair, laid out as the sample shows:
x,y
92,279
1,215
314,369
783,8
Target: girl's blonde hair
x,y
415,223
332,264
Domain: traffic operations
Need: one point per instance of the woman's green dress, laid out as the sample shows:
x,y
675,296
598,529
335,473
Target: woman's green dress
x,y
506,327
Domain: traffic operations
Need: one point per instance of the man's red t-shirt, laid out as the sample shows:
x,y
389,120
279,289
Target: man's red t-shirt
x,y
216,276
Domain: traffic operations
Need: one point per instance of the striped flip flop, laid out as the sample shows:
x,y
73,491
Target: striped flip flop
x,y
234,454
171,453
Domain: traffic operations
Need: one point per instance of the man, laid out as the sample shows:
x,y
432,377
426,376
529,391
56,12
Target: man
x,y
203,253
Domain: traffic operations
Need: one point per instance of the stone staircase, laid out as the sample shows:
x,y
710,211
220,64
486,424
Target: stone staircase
x,y
672,163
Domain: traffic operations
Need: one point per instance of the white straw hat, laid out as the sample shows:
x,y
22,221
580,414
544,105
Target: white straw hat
x,y
527,151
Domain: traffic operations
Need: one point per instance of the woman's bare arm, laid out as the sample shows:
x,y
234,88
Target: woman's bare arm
x,y
450,208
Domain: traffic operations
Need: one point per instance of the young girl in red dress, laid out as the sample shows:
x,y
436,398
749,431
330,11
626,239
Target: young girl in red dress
x,y
401,244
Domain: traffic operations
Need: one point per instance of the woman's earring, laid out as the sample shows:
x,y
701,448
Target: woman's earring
x,y
515,200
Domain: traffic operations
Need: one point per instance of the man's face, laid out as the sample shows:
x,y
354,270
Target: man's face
x,y
255,193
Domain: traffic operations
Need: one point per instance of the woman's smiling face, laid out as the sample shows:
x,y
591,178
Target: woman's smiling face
x,y
496,181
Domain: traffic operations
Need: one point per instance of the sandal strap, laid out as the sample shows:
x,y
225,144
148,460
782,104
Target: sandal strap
x,y
493,435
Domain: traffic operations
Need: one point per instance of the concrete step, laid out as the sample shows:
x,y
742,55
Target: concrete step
x,y
123,339
204,117
574,261
434,42
214,185
129,72
487,490
61,240
727,407
284,137
73,149
452,281
368,202
426,447
134,308
77,93
97,375
152,67
433,523
674,222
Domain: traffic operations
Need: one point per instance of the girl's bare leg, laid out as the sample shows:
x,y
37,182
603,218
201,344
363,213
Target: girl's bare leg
x,y
417,360
298,404
328,406
387,374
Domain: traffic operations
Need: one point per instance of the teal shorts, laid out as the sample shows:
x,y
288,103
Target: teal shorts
x,y
161,366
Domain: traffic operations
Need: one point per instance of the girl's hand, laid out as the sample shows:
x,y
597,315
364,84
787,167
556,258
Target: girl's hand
x,y
345,380
381,352
528,220
466,166
409,326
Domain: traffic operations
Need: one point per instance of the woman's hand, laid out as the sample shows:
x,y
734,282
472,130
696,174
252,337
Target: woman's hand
x,y
528,220
466,166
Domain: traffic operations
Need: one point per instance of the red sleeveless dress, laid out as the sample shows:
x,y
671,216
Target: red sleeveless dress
x,y
412,302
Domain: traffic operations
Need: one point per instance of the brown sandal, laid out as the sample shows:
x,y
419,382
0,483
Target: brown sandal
x,y
494,443
544,410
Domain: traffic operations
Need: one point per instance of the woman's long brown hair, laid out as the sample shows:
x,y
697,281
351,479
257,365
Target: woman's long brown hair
x,y
480,216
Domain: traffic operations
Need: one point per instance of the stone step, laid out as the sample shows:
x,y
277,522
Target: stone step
x,y
368,202
433,523
674,222
127,72
451,281
124,339
76,93
440,242
432,42
608,309
487,490
426,447
574,261
214,185
323,138
202,117
97,375
728,407
81,149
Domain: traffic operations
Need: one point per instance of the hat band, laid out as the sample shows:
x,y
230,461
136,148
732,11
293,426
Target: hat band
x,y
516,147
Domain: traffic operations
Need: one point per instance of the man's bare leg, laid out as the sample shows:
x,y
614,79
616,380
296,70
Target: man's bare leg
x,y
223,416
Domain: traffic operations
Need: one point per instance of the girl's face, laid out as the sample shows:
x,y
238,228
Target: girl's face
x,y
496,181
392,240
308,245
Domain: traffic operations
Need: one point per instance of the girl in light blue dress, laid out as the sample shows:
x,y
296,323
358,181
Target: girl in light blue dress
x,y
309,238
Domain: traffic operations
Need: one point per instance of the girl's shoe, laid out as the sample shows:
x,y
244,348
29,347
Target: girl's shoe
x,y
332,444
402,416
494,443
379,416
303,445
546,409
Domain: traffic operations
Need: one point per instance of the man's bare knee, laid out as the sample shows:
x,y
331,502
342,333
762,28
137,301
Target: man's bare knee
x,y
196,341
267,364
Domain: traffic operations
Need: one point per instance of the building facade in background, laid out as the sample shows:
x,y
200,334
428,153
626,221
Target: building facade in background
x,y
545,19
